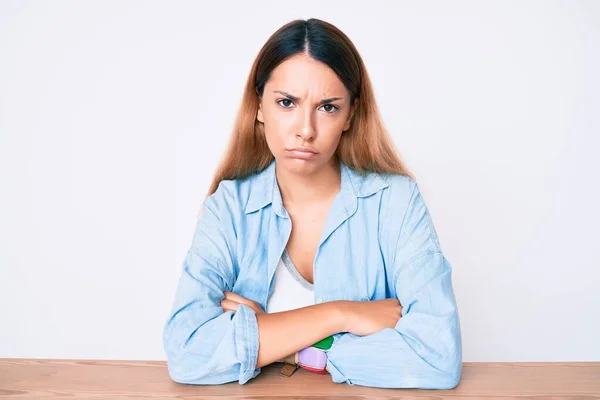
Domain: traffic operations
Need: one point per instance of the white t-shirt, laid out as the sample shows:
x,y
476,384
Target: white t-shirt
x,y
291,290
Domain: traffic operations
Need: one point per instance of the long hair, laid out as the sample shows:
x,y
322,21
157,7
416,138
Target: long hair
x,y
365,147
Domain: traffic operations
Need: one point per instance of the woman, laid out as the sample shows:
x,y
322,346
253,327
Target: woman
x,y
313,218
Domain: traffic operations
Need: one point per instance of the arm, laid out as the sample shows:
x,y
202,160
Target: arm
x,y
288,332
424,349
284,330
204,344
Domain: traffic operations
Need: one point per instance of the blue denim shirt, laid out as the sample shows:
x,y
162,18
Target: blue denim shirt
x,y
378,242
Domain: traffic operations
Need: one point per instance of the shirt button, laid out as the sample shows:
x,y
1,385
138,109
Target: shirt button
x,y
319,300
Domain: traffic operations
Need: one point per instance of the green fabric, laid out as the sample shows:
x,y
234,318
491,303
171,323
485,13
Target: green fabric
x,y
324,344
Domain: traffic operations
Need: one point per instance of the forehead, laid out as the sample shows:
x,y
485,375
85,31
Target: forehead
x,y
304,76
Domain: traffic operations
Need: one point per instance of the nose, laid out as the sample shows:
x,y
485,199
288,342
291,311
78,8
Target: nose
x,y
306,128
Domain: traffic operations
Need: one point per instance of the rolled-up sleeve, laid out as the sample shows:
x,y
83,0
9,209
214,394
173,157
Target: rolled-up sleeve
x,y
204,344
424,349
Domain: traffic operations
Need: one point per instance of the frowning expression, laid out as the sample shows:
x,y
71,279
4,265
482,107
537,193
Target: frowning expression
x,y
305,108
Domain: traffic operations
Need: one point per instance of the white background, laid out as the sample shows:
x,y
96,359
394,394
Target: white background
x,y
113,116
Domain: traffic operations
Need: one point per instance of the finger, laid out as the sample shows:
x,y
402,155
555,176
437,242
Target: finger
x,y
242,300
239,299
233,306
236,297
229,305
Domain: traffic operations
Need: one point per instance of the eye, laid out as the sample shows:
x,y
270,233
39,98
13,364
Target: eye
x,y
334,110
331,110
284,106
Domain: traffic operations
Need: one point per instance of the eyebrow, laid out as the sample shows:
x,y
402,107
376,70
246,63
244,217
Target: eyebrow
x,y
295,98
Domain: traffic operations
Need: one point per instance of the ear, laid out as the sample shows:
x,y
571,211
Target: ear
x,y
350,115
259,114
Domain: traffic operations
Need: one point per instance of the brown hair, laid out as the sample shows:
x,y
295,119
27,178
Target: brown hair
x,y
366,146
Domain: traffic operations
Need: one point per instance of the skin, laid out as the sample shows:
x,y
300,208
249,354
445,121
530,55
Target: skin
x,y
294,114
308,187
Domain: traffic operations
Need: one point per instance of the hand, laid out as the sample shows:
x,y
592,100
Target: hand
x,y
232,301
366,317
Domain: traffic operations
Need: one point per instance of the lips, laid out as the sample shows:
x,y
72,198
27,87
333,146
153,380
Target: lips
x,y
303,153
303,149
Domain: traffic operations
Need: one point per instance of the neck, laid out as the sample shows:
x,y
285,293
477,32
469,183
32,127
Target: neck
x,y
304,190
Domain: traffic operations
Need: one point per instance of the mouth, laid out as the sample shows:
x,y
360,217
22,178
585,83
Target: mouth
x,y
303,153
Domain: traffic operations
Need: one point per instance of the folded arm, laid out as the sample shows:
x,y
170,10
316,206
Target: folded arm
x,y
204,343
424,349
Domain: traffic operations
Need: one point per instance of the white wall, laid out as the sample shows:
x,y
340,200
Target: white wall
x,y
114,114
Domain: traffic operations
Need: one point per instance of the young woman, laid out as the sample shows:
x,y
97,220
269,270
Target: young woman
x,y
314,228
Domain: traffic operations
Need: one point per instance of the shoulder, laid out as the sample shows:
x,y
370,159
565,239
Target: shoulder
x,y
389,195
407,217
230,196
233,195
399,192
221,213
371,182
401,205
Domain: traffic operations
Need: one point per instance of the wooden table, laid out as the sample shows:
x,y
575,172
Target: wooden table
x,y
90,379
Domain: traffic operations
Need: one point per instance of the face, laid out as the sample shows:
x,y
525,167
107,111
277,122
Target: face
x,y
304,106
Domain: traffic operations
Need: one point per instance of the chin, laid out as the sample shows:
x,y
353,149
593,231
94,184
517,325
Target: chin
x,y
300,166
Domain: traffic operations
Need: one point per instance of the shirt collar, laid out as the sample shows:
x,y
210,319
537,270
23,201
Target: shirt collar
x,y
265,190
